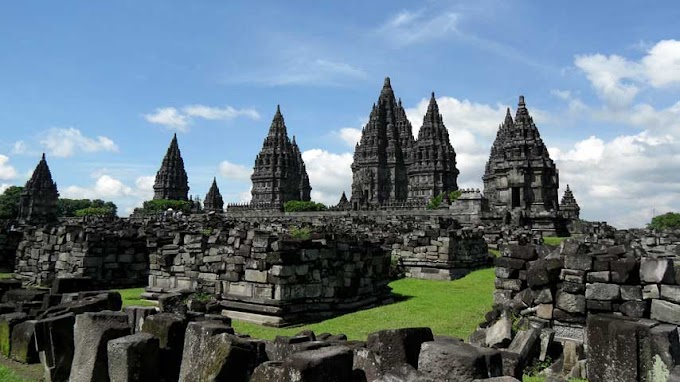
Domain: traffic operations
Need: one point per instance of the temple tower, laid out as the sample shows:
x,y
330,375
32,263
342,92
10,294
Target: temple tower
x,y
379,169
38,201
213,199
171,179
520,173
279,174
568,206
432,167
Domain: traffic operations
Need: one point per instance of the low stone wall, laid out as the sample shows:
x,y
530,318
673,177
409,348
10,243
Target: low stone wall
x,y
630,279
113,253
269,278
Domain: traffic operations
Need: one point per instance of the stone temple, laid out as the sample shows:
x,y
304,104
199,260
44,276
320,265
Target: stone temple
x,y
279,174
38,201
390,166
568,206
171,179
520,174
213,199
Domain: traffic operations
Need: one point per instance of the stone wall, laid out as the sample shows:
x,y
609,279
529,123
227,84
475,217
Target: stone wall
x,y
9,241
113,253
626,281
272,278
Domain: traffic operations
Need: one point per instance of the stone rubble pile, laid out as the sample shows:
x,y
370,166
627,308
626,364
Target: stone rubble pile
x,y
616,293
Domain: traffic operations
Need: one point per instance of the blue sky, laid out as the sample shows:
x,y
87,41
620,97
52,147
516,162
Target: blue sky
x,y
101,88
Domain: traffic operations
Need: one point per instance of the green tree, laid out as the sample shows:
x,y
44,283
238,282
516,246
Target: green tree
x,y
669,220
299,206
9,202
68,207
160,205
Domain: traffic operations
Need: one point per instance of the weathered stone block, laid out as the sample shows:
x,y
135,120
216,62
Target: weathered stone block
x,y
665,311
451,361
137,315
213,353
398,346
54,342
635,309
525,345
572,303
650,291
134,358
624,270
509,284
23,348
670,293
7,323
602,291
598,277
612,350
581,262
92,333
631,292
169,328
500,333
657,271
328,364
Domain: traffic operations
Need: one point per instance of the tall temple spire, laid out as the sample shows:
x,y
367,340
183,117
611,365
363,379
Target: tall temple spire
x,y
432,166
569,208
519,172
279,174
38,200
171,179
213,199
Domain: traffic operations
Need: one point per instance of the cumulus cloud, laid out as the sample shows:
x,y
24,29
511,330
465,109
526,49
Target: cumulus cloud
x,y
617,80
180,120
235,171
66,142
7,171
110,188
3,187
329,174
349,135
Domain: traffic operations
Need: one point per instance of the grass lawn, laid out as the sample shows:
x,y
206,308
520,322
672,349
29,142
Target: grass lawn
x,y
132,297
7,375
452,308
554,240
6,276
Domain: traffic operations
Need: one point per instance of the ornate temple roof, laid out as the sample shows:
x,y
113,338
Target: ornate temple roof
x,y
213,199
171,179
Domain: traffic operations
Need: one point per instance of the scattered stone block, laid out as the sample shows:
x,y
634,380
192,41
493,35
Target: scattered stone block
x,y
450,361
581,262
22,348
137,315
394,347
269,371
7,323
54,342
93,331
500,333
170,329
134,358
525,344
571,303
624,270
72,284
329,364
602,291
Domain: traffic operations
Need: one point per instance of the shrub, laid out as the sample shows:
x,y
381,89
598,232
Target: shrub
x,y
435,202
669,220
160,205
300,206
68,207
95,211
301,233
453,195
9,202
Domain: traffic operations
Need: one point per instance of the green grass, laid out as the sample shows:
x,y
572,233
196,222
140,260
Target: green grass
x,y
452,308
527,378
495,252
7,375
6,276
554,240
132,297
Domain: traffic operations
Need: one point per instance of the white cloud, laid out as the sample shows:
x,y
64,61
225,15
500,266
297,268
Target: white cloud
x,y
168,117
235,171
304,70
329,174
216,113
349,135
409,27
20,147
7,171
175,119
617,80
65,142
109,188
3,187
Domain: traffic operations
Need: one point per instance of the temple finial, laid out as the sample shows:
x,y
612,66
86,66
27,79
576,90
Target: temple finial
x,y
43,156
521,101
387,82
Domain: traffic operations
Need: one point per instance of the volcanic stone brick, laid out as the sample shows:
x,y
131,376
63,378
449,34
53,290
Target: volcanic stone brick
x,y
657,271
173,303
451,361
525,344
23,343
506,273
269,371
511,365
72,284
544,311
631,292
635,309
328,364
578,262
598,306
510,284
602,291
398,346
665,311
169,328
670,293
543,296
54,342
542,272
137,315
500,333
7,323
666,344
571,303
508,262
624,270
213,353
650,291
573,276
598,277
575,288
134,358
93,331
524,252
612,349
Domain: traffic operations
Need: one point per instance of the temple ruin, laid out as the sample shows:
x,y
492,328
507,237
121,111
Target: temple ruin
x,y
38,203
171,179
